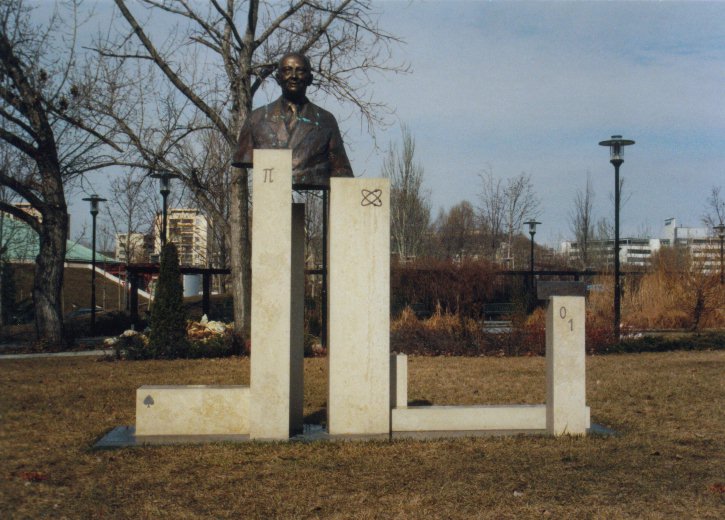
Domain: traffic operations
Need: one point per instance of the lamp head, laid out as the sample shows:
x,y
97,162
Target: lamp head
x,y
164,177
532,226
616,148
94,200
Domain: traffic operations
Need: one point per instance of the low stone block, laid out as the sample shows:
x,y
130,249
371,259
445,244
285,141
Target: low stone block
x,y
398,381
479,417
192,410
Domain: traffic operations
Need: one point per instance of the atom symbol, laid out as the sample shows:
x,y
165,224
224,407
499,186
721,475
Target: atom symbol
x,y
371,198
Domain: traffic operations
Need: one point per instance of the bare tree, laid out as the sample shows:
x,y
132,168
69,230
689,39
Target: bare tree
x,y
457,231
43,124
491,210
503,206
409,201
521,202
213,66
581,220
128,211
715,212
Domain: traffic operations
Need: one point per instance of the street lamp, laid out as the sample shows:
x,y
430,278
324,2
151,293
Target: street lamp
x,y
721,234
616,150
532,231
164,177
94,200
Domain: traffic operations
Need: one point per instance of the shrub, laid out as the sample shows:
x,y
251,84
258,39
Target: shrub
x,y
457,288
167,338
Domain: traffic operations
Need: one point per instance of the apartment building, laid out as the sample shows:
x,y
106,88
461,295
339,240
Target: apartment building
x,y
134,247
190,231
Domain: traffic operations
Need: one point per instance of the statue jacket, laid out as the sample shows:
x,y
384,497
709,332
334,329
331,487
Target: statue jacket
x,y
317,148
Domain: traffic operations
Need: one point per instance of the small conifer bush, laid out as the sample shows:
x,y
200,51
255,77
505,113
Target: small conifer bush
x,y
167,338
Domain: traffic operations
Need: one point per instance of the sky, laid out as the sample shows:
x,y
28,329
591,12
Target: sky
x,y
533,87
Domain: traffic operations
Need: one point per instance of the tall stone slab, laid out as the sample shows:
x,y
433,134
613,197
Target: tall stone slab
x,y
274,404
359,307
566,410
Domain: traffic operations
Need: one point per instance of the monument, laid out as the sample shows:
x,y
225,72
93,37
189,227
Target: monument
x,y
293,144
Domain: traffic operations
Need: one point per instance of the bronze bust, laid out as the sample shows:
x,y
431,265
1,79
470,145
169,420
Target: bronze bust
x,y
293,122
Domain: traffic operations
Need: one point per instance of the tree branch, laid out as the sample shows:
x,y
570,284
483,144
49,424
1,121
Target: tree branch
x,y
20,215
177,82
21,189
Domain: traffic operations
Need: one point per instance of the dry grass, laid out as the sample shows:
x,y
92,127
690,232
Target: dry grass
x,y
667,462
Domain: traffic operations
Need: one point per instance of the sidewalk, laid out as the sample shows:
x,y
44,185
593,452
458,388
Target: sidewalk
x,y
58,354
97,341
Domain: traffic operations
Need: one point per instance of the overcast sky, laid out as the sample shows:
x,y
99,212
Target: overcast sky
x,y
533,87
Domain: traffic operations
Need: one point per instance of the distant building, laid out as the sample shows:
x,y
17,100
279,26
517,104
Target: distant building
x,y
600,253
638,251
190,230
134,247
19,243
29,209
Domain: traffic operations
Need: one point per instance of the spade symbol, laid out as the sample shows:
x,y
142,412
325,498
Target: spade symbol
x,y
148,401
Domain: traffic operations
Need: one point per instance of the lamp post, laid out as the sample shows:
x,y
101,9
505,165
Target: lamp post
x,y
616,150
94,200
532,231
164,177
721,234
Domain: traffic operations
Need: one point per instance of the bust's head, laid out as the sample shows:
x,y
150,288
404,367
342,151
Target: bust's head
x,y
294,75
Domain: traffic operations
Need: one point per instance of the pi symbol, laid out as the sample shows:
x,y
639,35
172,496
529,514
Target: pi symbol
x,y
371,198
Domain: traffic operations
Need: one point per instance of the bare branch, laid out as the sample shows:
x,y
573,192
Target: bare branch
x,y
161,63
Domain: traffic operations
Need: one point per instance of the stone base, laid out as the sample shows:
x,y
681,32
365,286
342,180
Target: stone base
x,y
192,410
125,436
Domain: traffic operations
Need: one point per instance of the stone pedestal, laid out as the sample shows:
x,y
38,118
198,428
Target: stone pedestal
x,y
276,365
359,307
566,411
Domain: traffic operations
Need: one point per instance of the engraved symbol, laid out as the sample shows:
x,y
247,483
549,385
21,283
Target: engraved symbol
x,y
371,198
268,174
148,401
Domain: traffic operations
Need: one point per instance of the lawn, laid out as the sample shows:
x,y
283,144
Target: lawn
x,y
667,461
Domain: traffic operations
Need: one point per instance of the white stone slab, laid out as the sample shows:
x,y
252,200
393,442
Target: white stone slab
x,y
192,410
468,418
398,381
271,414
565,366
359,307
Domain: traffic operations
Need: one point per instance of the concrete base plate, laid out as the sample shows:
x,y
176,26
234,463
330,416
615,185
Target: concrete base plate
x,y
125,436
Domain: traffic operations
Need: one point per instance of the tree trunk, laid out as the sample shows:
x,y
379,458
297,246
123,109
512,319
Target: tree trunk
x,y
240,246
48,281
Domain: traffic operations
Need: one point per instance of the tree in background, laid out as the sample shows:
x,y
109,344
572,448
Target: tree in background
x,y
503,207
211,68
492,203
409,201
521,203
48,138
167,338
581,221
457,232
130,212
715,212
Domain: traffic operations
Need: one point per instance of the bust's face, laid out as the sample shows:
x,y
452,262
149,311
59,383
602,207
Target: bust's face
x,y
294,76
